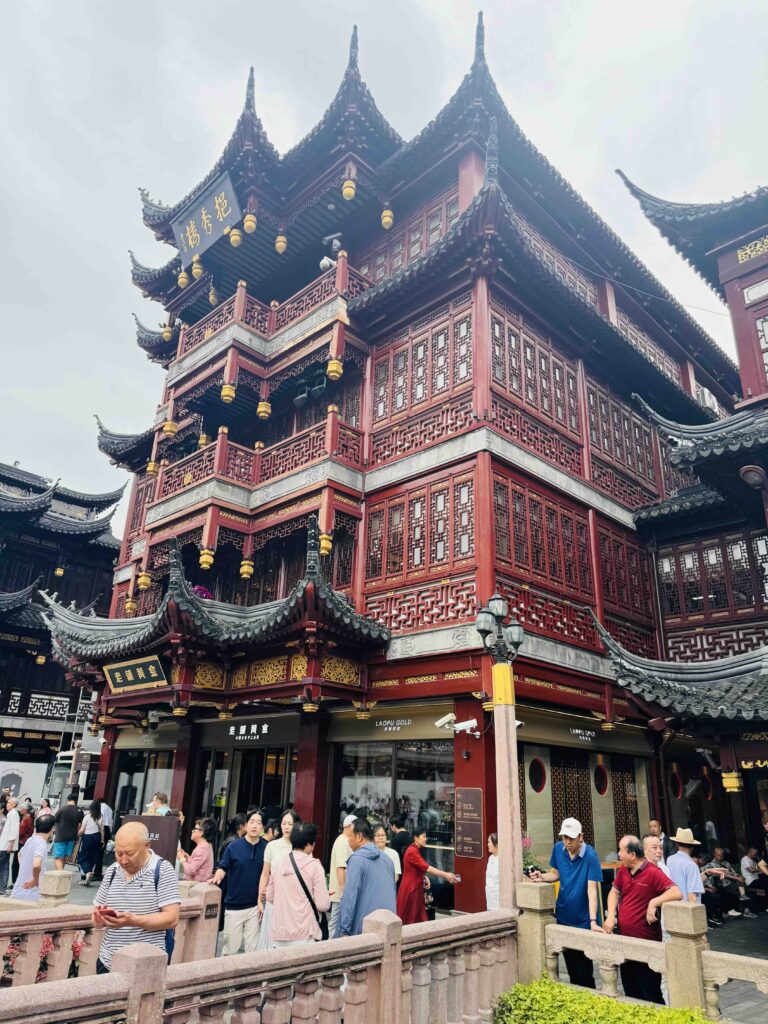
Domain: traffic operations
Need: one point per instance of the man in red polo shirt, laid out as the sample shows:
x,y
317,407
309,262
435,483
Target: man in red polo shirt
x,y
642,888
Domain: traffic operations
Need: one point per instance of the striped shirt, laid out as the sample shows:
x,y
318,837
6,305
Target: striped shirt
x,y
136,895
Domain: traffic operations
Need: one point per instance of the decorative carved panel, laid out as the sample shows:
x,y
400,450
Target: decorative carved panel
x,y
555,617
426,606
421,429
717,642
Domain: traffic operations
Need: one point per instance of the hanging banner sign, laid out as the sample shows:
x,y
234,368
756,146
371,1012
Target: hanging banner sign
x,y
206,220
139,674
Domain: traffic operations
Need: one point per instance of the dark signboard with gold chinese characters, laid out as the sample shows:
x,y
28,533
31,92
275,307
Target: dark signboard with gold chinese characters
x,y
469,823
207,220
139,674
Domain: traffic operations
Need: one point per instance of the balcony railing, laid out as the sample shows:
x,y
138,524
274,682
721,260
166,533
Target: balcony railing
x,y
268,320
231,461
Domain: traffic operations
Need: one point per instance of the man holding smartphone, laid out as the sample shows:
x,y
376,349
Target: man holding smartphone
x,y
139,899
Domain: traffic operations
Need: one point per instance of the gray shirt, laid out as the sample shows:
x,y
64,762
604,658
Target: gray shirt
x,y
36,846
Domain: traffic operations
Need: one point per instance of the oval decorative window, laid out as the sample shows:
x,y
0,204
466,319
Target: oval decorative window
x,y
537,775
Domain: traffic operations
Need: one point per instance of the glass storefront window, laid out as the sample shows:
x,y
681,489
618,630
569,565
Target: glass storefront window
x,y
141,774
216,787
424,788
366,781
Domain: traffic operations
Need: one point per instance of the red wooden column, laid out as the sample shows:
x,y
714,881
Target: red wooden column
x,y
312,773
485,534
106,776
474,765
471,177
481,344
183,760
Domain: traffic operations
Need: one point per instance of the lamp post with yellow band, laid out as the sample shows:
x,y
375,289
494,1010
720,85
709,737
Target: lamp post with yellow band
x,y
502,637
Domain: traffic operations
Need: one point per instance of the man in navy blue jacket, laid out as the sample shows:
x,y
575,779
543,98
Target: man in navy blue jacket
x,y
241,864
370,883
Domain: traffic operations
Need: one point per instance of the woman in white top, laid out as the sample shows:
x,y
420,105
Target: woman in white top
x,y
91,831
492,874
380,839
274,853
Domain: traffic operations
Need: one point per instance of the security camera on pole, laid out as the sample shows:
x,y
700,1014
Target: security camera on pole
x,y
502,637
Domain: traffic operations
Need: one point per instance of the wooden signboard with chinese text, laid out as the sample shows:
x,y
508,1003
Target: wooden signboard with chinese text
x,y
139,674
206,220
469,823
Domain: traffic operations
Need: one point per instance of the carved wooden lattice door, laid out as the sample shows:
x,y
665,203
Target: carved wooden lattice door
x,y
571,792
624,796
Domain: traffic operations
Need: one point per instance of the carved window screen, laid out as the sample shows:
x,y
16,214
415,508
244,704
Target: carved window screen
x,y
571,790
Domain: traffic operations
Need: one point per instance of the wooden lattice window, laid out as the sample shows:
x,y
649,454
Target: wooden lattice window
x,y
624,788
571,790
344,531
624,573
619,435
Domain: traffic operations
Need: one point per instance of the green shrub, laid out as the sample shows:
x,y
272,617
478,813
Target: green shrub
x,y
548,1002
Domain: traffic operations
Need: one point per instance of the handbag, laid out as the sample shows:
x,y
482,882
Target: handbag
x,y
322,919
429,899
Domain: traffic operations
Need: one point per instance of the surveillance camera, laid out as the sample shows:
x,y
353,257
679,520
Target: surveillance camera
x,y
326,263
469,726
334,241
153,720
446,720
102,740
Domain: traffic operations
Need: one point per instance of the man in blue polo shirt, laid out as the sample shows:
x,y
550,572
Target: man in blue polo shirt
x,y
576,866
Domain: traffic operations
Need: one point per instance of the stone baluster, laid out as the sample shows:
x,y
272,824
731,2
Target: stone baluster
x,y
331,999
277,1006
90,952
537,902
472,984
143,967
246,1008
500,970
687,927
553,965
181,1014
306,1002
712,999
456,972
438,989
356,996
27,962
421,976
60,957
609,974
487,964
406,991
215,1012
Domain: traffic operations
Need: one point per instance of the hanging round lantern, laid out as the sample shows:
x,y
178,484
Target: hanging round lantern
x,y
59,570
202,441
213,296
249,223
169,428
152,468
235,237
197,268
228,393
183,279
387,218
131,605
334,369
348,189
167,332
40,659
264,409
144,580
326,543
206,558
281,244
246,569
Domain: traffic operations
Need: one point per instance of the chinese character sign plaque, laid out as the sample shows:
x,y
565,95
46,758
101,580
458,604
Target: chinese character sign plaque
x,y
206,220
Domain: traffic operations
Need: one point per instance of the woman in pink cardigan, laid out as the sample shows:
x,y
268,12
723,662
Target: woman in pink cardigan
x,y
293,918
198,865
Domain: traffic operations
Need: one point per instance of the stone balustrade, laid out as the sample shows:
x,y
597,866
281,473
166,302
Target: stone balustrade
x,y
720,968
58,935
445,972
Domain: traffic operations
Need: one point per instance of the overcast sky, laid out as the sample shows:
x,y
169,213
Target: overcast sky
x,y
100,98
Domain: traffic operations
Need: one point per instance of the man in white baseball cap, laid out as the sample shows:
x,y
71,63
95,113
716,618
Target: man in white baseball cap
x,y
576,866
340,854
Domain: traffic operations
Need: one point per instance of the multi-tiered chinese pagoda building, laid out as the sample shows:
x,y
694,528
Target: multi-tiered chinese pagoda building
x,y
347,462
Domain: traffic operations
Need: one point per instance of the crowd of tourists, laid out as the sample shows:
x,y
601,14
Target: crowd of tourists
x,y
654,870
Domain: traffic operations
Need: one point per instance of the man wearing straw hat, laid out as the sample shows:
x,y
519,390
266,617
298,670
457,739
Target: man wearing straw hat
x,y
682,870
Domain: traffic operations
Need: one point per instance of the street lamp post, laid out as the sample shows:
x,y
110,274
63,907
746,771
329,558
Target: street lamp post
x,y
502,637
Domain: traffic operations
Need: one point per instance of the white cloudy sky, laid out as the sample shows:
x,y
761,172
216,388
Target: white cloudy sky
x,y
100,98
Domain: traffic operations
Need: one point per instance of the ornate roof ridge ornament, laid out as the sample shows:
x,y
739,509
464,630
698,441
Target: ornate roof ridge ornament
x,y
313,569
353,49
13,600
492,153
480,39
250,93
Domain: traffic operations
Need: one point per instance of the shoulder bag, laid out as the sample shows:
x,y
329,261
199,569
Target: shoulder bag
x,y
322,919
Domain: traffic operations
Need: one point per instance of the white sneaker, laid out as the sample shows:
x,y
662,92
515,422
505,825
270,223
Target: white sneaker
x,y
734,913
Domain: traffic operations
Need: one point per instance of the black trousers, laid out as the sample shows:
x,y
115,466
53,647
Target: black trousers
x,y
756,892
581,970
640,982
100,968
98,873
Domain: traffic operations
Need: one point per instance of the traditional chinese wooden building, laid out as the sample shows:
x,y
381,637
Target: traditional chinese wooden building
x,y
450,400
57,538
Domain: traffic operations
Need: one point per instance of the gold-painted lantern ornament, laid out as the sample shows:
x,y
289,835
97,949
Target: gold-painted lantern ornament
x,y
235,238
202,441
326,543
281,244
213,296
131,605
225,714
144,580
152,468
40,659
249,223
206,558
387,218
167,332
310,707
334,369
180,711
348,189
183,279
264,409
197,268
59,570
169,428
228,393
246,569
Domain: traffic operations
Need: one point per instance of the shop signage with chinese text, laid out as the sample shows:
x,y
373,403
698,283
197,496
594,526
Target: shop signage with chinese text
x,y
139,674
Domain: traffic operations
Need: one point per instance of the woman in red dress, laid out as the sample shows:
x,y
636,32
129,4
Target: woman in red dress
x,y
410,896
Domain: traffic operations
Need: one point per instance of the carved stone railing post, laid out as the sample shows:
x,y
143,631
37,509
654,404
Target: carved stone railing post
x,y
687,927
247,1009
277,1006
202,930
384,983
472,984
89,954
438,989
356,996
215,1012
331,999
487,965
306,1003
143,967
406,991
422,976
456,973
60,957
537,903
553,966
54,888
